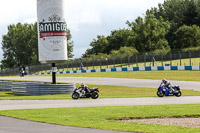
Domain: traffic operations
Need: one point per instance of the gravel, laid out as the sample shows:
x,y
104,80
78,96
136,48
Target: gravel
x,y
185,122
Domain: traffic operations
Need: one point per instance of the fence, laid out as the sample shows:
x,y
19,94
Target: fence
x,y
138,60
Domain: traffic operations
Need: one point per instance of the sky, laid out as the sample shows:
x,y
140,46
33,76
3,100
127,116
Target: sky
x,y
85,18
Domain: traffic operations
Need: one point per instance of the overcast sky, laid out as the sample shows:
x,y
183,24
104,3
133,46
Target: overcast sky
x,y
85,18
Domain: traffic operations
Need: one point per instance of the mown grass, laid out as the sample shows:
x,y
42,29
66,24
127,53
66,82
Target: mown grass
x,y
96,117
106,91
159,75
184,62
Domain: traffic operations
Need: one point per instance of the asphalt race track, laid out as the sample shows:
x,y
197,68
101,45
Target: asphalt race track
x,y
11,125
146,83
35,104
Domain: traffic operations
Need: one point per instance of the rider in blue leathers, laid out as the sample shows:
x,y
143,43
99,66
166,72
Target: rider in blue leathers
x,y
167,84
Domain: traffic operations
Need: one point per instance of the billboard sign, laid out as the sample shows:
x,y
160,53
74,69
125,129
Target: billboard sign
x,y
52,31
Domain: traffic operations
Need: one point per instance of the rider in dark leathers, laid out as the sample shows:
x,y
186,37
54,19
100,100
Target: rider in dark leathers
x,y
84,89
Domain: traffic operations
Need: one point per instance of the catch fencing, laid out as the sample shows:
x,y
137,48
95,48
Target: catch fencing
x,y
105,62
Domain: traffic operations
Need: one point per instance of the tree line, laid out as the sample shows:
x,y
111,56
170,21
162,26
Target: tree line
x,y
172,26
20,45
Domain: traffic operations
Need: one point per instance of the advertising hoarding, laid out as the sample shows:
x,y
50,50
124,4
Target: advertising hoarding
x,y
52,31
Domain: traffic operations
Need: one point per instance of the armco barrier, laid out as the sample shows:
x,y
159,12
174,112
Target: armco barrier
x,y
156,68
36,88
5,85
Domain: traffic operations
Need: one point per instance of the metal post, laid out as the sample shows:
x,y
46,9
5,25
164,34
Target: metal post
x,y
93,63
72,65
107,61
53,73
81,64
190,58
121,61
128,61
180,57
100,62
87,64
114,62
136,60
67,66
76,65
170,59
153,59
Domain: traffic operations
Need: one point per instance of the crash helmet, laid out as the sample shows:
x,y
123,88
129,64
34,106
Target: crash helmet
x,y
82,84
164,80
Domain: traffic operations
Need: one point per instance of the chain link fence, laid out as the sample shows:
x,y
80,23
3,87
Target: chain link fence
x,y
137,60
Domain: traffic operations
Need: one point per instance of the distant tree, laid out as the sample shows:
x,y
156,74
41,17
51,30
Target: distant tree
x,y
120,38
187,36
150,33
178,13
98,45
70,44
20,45
123,52
117,39
159,31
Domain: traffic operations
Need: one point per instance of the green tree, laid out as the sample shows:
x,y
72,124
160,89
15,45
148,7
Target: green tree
x,y
98,45
117,39
20,45
120,38
150,33
123,52
70,44
187,36
178,13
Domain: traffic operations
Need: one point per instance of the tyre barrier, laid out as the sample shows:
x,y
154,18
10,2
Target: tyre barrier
x,y
40,88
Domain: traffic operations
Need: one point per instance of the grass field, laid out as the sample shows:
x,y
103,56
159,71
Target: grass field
x,y
106,91
158,75
96,117
184,62
170,75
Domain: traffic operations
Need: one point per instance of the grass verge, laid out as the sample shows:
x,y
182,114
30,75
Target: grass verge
x,y
183,62
95,117
159,75
106,91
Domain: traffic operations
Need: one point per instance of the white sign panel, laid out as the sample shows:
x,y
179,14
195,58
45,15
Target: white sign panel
x,y
54,69
52,31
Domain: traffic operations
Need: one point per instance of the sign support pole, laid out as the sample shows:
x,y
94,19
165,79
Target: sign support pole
x,y
53,73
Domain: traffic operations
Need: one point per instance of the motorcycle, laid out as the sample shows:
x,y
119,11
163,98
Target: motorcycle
x,y
93,93
21,73
164,91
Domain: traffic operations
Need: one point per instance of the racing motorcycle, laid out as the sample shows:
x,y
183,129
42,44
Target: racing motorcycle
x,y
93,93
164,91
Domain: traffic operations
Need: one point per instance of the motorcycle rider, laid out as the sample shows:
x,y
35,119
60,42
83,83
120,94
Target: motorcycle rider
x,y
167,84
84,89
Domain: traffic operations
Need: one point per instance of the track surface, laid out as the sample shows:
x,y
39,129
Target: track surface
x,y
146,83
35,104
11,125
